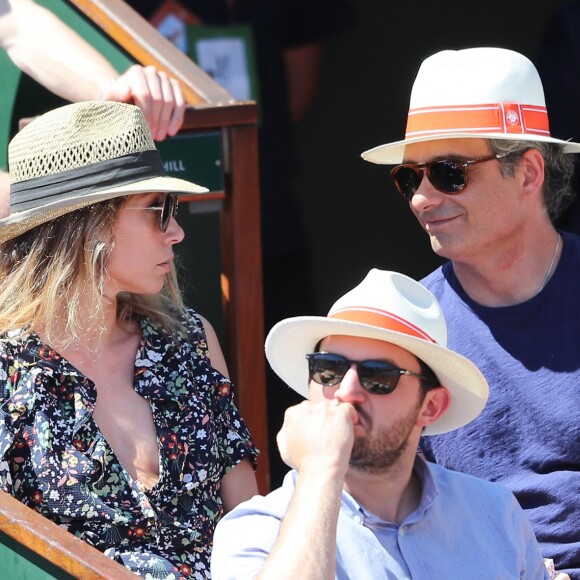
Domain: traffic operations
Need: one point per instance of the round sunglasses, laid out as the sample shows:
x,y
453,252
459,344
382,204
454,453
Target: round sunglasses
x,y
379,377
168,209
448,176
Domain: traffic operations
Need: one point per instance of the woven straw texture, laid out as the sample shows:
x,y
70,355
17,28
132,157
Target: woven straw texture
x,y
75,136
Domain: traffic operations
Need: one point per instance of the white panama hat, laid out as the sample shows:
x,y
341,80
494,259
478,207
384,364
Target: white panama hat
x,y
394,308
489,93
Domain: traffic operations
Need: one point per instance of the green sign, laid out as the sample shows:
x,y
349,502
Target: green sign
x,y
195,157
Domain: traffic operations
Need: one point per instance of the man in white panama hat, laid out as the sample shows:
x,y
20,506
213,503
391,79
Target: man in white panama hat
x,y
360,502
486,181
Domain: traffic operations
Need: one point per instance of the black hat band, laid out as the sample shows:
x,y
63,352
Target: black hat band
x,y
103,175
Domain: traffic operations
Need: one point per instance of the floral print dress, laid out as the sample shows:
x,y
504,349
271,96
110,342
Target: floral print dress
x,y
54,459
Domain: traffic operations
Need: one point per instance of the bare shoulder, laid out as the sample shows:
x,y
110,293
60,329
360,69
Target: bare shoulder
x,y
214,349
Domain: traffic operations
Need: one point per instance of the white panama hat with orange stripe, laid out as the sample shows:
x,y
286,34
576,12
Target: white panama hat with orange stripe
x,y
394,308
489,93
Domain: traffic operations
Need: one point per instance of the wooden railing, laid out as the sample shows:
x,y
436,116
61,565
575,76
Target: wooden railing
x,y
40,544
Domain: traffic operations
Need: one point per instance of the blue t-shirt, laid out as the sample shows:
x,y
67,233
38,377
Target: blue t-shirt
x,y
528,436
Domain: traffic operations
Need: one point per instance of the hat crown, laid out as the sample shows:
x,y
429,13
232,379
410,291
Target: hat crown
x,y
75,136
394,301
474,93
475,76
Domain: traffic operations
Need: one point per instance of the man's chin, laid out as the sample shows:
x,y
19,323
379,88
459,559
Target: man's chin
x,y
363,461
362,466
369,457
370,467
437,246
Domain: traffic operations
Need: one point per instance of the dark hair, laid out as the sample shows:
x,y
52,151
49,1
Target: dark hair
x,y
431,381
558,170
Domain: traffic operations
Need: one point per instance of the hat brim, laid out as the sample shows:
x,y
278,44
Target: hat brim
x,y
393,153
291,340
18,223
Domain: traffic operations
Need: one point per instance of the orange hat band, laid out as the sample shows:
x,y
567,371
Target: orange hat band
x,y
380,318
508,118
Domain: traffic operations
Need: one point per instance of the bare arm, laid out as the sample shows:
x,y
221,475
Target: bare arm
x,y
45,48
52,53
36,41
238,485
316,439
4,194
48,50
214,350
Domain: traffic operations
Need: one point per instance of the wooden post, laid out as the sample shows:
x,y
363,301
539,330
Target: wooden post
x,y
242,286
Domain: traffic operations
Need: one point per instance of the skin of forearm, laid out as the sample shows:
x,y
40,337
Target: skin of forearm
x,y
306,544
54,55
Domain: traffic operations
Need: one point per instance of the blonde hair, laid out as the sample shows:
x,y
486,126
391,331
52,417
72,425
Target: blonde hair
x,y
52,278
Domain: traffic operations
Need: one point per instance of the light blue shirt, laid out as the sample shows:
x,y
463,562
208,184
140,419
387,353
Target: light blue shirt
x,y
464,527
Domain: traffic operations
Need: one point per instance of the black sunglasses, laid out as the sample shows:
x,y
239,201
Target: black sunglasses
x,y
446,175
168,210
376,376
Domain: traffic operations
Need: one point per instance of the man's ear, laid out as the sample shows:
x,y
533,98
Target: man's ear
x,y
436,402
532,166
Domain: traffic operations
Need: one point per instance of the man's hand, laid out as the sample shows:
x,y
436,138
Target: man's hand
x,y
316,439
157,95
52,53
317,435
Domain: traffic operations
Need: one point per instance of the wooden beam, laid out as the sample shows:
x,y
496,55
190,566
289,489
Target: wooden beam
x,y
210,117
144,43
242,286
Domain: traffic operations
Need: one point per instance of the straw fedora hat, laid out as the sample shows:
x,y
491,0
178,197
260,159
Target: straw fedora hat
x,y
489,93
394,308
79,155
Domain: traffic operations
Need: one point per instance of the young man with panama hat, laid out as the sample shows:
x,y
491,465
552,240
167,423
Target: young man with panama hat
x,y
486,181
360,502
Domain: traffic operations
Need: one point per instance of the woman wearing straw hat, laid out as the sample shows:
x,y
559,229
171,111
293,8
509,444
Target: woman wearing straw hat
x,y
116,414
